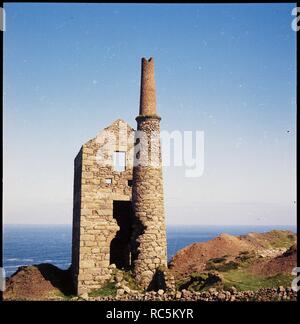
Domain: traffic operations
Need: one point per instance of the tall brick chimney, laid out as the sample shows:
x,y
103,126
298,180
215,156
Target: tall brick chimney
x,y
148,93
149,234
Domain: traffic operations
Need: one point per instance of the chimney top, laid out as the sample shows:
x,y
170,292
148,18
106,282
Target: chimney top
x,y
148,92
145,60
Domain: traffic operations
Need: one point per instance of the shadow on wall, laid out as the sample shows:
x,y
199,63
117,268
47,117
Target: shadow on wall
x,y
138,229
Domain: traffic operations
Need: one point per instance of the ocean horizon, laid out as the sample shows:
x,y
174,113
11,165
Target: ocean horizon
x,y
27,244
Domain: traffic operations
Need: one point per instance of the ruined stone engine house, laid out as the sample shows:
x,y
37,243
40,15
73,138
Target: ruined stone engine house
x,y
118,205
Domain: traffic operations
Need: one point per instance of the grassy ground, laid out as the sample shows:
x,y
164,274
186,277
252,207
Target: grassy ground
x,y
278,239
108,289
243,280
234,273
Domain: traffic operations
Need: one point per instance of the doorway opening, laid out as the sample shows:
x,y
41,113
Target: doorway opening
x,y
120,251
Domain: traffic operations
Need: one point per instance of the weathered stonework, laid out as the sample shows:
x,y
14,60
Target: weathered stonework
x,y
149,237
118,215
94,224
148,92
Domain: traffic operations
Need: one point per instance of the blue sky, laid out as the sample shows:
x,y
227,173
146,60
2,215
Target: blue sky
x,y
228,70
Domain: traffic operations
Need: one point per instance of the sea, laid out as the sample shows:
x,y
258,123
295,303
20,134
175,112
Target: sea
x,y
34,244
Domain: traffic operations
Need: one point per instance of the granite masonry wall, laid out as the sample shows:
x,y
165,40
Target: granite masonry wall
x,y
149,236
102,215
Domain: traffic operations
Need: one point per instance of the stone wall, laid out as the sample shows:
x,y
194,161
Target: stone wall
x,y
149,237
94,225
76,216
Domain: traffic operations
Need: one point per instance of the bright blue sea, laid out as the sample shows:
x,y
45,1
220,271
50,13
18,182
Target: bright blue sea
x,y
33,244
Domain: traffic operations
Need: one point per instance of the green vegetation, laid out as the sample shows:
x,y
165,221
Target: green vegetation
x,y
223,265
241,279
222,273
199,281
226,266
245,253
245,257
109,289
130,281
279,239
217,260
66,297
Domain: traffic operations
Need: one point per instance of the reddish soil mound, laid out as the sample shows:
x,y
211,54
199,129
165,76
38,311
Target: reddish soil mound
x,y
37,282
284,263
194,257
